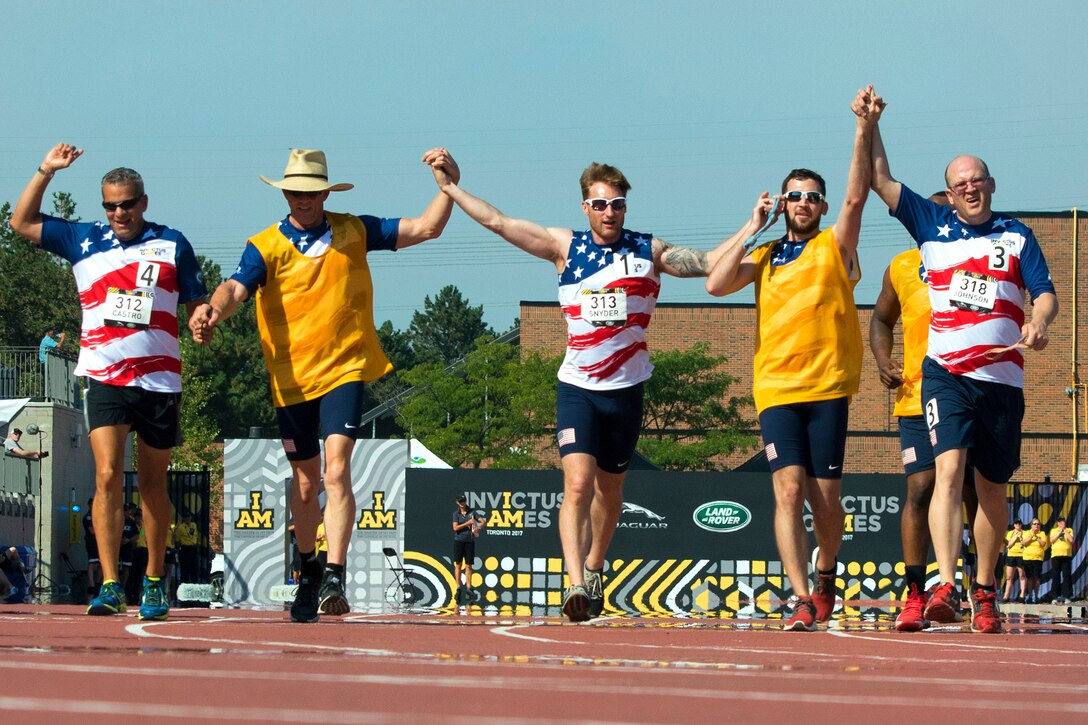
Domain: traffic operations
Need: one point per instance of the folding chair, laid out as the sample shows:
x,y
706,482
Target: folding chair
x,y
402,578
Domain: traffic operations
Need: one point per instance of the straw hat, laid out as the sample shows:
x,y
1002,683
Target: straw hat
x,y
306,171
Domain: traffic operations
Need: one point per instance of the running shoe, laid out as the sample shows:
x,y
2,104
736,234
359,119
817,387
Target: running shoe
x,y
110,600
912,618
154,604
305,606
595,587
823,596
576,603
985,615
944,605
804,615
332,597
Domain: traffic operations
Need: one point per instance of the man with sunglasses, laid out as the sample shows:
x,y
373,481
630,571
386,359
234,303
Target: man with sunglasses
x,y
609,278
131,275
808,358
315,316
979,264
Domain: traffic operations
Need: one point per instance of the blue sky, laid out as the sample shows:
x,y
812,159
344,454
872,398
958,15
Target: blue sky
x,y
702,104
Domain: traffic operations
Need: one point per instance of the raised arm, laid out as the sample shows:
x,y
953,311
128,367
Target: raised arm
x,y
887,188
26,218
205,316
886,313
731,267
867,107
429,225
550,244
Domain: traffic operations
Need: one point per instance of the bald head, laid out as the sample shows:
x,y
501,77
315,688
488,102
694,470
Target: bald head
x,y
967,167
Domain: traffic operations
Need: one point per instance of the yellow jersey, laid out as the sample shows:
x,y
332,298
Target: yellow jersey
x,y
905,272
1063,545
808,337
315,314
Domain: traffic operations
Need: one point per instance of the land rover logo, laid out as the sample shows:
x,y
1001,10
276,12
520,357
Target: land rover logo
x,y
721,516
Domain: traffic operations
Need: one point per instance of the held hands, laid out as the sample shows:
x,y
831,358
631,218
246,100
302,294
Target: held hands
x,y
868,106
891,373
443,167
61,156
202,323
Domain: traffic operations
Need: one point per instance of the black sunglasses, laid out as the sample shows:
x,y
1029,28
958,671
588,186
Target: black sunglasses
x,y
814,197
126,204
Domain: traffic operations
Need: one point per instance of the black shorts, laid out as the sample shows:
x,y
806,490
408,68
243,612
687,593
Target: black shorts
x,y
983,417
92,550
156,417
1014,561
464,551
337,411
1033,568
603,423
811,435
914,444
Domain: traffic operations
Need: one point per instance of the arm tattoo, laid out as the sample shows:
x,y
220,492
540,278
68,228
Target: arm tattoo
x,y
685,262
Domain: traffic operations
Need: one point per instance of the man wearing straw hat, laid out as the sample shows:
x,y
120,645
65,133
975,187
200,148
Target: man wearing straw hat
x,y
310,275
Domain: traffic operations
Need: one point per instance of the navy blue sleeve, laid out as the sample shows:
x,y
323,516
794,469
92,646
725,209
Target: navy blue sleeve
x,y
252,271
1033,268
381,233
916,213
62,237
190,276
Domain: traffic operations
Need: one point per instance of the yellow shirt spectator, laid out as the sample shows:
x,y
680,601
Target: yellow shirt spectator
x,y
1035,543
1013,542
1061,541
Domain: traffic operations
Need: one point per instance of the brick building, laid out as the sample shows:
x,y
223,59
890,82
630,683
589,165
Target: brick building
x,y
1054,419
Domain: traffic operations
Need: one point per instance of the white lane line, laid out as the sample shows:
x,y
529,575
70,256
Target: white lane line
x,y
996,645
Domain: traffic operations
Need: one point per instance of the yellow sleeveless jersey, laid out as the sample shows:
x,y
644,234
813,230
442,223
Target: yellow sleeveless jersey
x,y
913,296
315,314
808,344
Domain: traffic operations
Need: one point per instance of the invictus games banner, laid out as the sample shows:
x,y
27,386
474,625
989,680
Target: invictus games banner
x,y
256,542
685,542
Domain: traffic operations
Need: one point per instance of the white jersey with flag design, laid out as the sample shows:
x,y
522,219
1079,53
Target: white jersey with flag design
x,y
608,294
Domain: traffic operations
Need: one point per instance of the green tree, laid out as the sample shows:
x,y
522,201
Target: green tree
x,y
493,409
447,328
233,367
37,289
688,421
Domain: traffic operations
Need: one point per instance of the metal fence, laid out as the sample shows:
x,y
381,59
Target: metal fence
x,y
23,375
189,491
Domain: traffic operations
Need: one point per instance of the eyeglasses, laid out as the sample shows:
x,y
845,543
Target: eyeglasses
x,y
126,204
813,197
599,203
960,187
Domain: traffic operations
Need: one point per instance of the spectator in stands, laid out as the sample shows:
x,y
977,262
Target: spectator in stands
x,y
12,447
1035,546
53,339
188,540
1062,545
1014,564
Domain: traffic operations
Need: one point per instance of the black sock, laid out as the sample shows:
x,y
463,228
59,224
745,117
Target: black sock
x,y
311,565
985,587
916,577
336,570
830,572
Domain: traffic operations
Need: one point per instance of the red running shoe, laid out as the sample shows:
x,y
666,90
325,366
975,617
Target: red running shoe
x,y
944,605
823,596
912,617
985,616
804,615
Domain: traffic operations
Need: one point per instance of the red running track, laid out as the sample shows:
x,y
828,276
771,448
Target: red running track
x,y
246,666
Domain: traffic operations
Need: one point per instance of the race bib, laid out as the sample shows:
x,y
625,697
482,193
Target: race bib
x,y
129,308
973,291
605,307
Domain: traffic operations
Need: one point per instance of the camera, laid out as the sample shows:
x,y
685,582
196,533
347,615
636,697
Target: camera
x,y
44,454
